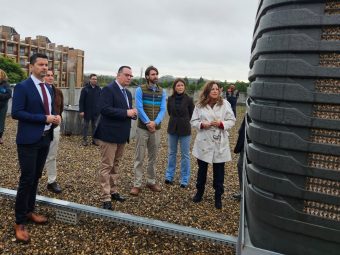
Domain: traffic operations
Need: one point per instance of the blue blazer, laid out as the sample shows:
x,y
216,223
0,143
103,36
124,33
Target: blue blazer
x,y
28,109
114,125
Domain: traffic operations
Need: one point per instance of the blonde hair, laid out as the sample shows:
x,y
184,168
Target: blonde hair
x,y
3,75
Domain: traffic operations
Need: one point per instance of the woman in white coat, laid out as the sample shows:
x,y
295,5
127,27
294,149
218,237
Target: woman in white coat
x,y
212,118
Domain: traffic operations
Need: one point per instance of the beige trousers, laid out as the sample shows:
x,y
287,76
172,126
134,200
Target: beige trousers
x,y
150,141
108,173
51,160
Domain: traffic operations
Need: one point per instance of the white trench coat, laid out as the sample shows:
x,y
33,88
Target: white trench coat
x,y
212,145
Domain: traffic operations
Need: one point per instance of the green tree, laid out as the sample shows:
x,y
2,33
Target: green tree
x,y
241,86
186,80
164,84
13,70
200,83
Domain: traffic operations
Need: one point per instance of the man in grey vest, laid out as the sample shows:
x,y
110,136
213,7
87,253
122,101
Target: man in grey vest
x,y
151,106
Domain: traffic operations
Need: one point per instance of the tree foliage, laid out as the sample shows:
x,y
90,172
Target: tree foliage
x,y
193,84
13,70
241,86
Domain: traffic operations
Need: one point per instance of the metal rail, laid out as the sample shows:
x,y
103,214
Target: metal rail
x,y
156,225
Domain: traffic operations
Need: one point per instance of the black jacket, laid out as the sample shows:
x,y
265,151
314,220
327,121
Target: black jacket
x,y
179,122
241,136
114,125
5,93
89,101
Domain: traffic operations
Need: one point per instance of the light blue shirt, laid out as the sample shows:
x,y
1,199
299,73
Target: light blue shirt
x,y
141,113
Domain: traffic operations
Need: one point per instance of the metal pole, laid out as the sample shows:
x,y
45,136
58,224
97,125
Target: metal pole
x,y
137,221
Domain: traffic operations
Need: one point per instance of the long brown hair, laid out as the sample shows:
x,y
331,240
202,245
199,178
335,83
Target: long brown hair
x,y
204,96
175,83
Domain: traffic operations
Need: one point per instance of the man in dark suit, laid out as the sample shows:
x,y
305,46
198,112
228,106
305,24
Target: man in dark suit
x,y
113,132
32,106
89,106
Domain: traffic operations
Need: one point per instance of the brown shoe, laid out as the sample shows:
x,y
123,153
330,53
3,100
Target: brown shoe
x,y
21,234
36,218
134,191
154,187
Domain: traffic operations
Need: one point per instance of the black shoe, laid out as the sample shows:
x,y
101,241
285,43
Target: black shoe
x,y
237,196
117,197
107,206
218,202
54,187
183,186
168,182
197,198
84,143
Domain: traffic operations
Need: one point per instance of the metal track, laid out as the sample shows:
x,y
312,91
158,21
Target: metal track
x,y
136,221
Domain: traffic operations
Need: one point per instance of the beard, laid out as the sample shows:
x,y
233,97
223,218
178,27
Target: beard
x,y
43,74
154,81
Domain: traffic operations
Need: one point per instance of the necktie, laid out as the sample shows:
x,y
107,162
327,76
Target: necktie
x,y
45,99
126,98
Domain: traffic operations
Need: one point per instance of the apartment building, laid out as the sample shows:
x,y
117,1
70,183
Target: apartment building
x,y
67,63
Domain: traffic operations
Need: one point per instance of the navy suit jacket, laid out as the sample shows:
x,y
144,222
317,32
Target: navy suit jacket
x,y
114,125
28,109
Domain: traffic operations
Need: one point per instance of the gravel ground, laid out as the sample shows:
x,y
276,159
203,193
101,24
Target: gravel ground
x,y
77,167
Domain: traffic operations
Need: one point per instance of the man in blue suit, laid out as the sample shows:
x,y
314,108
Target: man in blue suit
x,y
113,132
32,106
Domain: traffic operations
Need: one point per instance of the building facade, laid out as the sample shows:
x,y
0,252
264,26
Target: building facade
x,y
67,63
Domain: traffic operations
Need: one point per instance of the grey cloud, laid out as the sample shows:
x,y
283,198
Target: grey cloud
x,y
183,38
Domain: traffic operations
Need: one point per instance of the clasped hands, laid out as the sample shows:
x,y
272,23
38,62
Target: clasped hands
x,y
132,113
151,126
214,123
53,119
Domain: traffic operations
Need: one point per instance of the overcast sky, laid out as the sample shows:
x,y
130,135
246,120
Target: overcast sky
x,y
190,38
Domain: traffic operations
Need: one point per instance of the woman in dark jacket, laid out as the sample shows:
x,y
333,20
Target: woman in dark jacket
x,y
5,95
180,108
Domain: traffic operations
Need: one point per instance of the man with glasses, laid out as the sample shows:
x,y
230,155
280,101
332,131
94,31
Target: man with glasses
x,y
113,132
89,106
51,161
151,105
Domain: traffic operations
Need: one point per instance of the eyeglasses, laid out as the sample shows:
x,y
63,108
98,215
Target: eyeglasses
x,y
128,75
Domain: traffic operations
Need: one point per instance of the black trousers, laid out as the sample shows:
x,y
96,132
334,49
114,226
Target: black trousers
x,y
218,177
240,168
86,125
32,158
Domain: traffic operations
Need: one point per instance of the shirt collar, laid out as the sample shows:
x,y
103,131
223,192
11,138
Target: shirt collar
x,y
120,86
153,87
36,80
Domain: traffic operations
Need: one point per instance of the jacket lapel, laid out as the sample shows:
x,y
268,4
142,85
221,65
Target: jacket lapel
x,y
36,93
121,95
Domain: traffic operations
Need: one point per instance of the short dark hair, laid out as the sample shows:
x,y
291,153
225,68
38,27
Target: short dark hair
x,y
34,57
92,74
122,67
149,69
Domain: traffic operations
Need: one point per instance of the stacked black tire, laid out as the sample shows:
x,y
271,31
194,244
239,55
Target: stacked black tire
x,y
292,184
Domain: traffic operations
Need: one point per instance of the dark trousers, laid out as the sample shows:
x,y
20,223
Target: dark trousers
x,y
93,121
32,159
240,168
218,177
3,113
